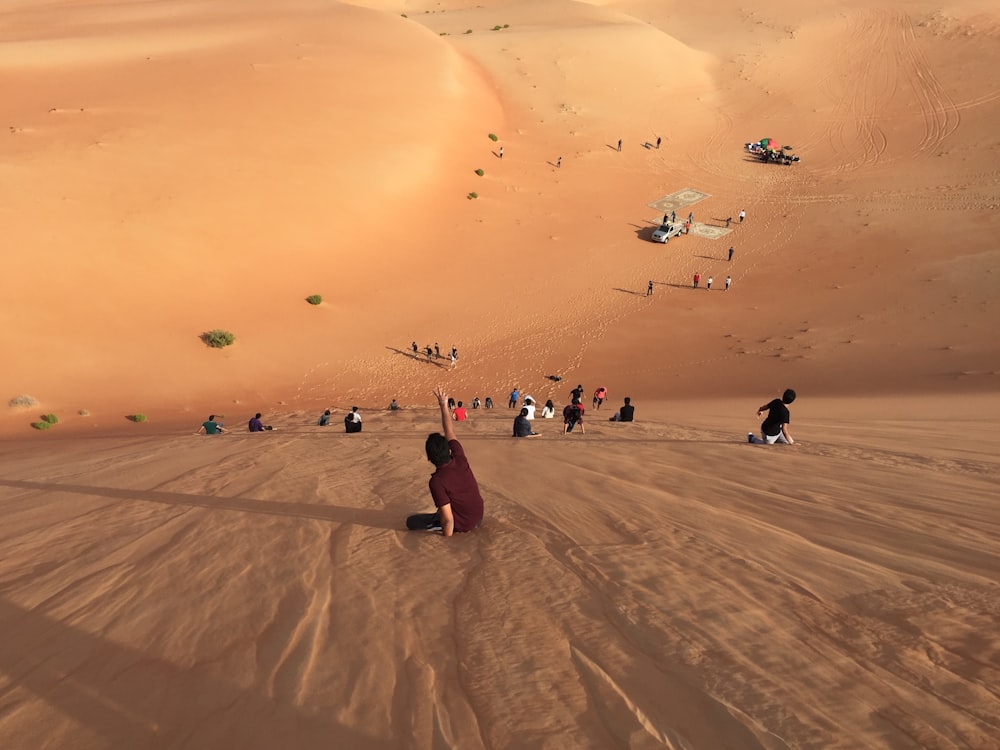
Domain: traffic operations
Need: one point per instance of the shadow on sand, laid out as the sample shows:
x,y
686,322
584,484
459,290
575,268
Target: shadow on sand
x,y
436,361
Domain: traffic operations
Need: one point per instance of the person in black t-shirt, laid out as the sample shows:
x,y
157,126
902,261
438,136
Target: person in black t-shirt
x,y
625,414
774,428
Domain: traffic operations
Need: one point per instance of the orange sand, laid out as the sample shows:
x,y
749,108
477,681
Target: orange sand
x,y
170,168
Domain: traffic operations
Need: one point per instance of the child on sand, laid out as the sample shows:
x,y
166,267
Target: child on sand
x,y
774,428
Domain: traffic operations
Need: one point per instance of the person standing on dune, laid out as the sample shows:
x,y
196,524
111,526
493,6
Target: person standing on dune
x,y
453,486
619,145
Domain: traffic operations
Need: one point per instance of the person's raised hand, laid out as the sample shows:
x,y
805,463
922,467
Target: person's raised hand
x,y
442,397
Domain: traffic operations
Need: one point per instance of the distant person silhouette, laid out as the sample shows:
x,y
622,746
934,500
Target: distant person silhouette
x,y
619,144
731,251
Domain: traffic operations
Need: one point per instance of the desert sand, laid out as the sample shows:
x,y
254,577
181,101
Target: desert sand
x,y
172,167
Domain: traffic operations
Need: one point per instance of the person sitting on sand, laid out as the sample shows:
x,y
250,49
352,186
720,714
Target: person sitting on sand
x,y
352,422
476,403
324,418
529,406
461,413
573,416
453,486
256,425
522,427
774,428
488,403
549,410
393,406
211,427
625,414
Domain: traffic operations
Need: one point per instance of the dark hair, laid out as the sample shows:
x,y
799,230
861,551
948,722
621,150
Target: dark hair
x,y
327,411
258,416
549,404
529,400
459,403
211,417
354,408
524,412
788,396
628,400
437,449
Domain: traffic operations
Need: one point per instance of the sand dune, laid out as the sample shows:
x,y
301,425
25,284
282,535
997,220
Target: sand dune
x,y
657,584
173,167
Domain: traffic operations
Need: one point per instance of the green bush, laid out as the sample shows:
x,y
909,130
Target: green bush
x,y
50,418
136,417
218,338
41,425
468,31
506,25
480,172
493,137
473,195
314,299
496,28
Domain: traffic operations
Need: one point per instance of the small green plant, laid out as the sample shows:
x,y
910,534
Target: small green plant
x,y
41,425
314,299
506,25
480,172
50,418
473,195
218,338
468,31
136,418
496,28
493,137
22,402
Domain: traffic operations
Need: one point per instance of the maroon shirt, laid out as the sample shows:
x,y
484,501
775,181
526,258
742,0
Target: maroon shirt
x,y
454,483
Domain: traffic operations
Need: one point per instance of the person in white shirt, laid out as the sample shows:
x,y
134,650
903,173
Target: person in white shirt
x,y
529,404
549,410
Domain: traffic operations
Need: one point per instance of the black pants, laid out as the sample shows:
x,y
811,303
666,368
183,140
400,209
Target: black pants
x,y
423,522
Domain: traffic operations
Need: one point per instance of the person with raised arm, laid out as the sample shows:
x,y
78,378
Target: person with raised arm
x,y
453,486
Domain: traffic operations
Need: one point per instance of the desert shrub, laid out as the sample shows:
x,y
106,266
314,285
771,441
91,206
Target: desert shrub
x,y
43,425
50,418
136,417
22,402
506,25
404,15
493,137
218,338
314,299
473,195
480,172
468,31
496,28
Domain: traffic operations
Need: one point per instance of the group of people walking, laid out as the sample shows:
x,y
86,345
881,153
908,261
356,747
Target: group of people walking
x,y
434,352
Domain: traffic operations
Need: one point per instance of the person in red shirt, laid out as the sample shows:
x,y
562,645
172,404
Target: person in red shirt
x,y
460,413
453,486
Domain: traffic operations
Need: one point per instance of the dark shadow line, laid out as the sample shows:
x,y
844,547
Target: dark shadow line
x,y
416,357
373,518
67,668
629,291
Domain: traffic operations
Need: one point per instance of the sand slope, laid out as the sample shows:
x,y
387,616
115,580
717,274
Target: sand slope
x,y
658,584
